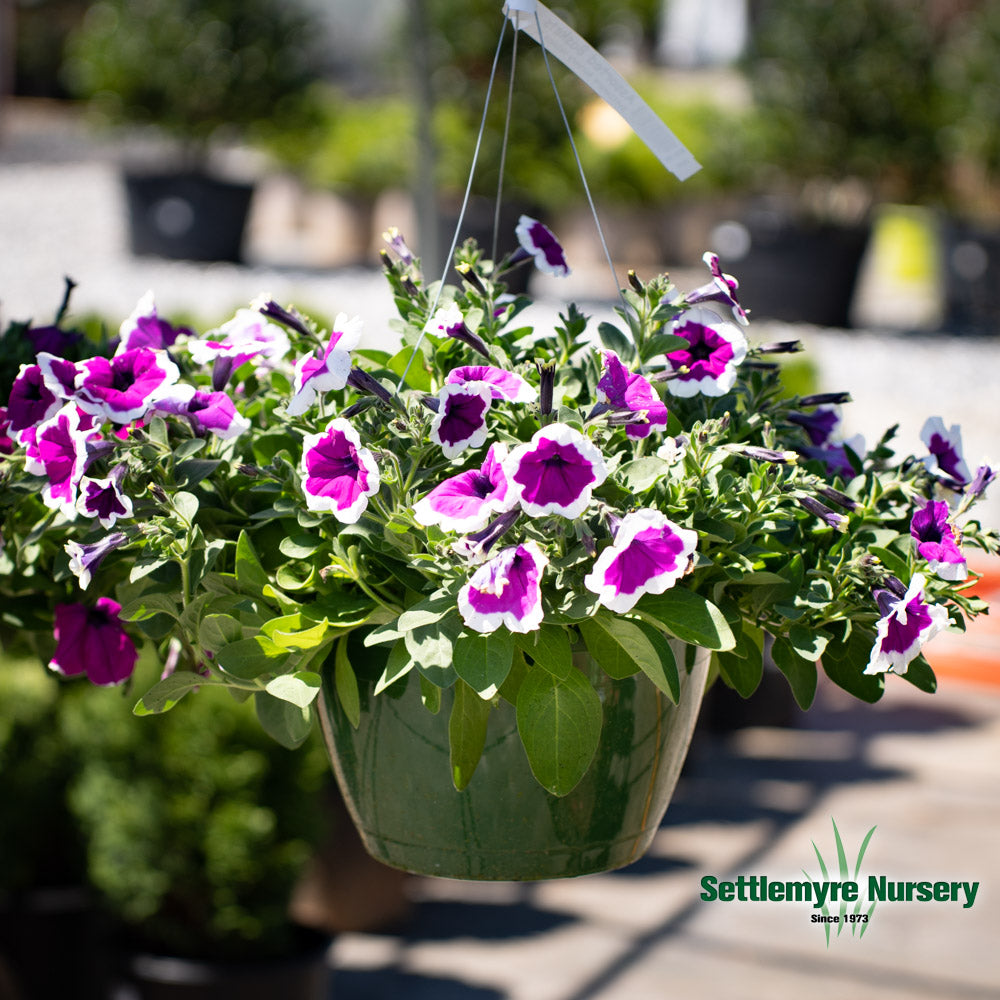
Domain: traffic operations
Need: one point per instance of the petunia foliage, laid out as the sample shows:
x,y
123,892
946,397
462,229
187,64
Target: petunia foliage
x,y
475,510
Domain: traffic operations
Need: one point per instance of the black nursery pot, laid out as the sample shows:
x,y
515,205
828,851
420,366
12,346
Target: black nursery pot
x,y
187,216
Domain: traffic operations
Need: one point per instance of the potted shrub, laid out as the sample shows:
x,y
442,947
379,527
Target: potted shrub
x,y
205,74
500,564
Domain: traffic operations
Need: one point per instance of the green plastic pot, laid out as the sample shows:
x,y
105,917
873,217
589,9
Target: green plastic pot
x,y
395,776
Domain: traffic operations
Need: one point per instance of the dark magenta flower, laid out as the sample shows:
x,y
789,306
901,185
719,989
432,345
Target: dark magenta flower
x,y
59,452
92,641
104,499
52,340
506,590
328,373
538,241
31,401
623,390
708,364
128,386
818,425
460,420
338,474
555,472
907,623
144,328
467,501
209,412
945,447
503,384
648,555
722,288
936,542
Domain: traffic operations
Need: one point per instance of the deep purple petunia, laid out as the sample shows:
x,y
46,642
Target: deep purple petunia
x,y
92,641
209,412
708,364
129,385
329,372
623,390
144,328
936,542
506,590
648,555
538,240
338,474
59,452
460,421
104,499
467,501
31,401
84,559
945,447
503,384
555,472
906,624
722,288
59,375
52,340
818,425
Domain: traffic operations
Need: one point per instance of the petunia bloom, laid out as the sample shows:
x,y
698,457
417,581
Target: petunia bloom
x,y
126,387
649,555
945,447
144,328
555,472
460,421
92,641
722,288
708,364
31,401
467,501
625,390
818,425
936,542
448,321
59,452
209,412
249,330
329,372
506,590
104,499
84,559
537,240
503,384
338,474
906,624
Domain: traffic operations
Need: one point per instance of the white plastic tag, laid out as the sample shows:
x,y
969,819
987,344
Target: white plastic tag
x,y
595,71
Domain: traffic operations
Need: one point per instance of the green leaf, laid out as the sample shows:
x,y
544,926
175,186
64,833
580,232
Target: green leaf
x,y
483,661
397,665
345,683
250,575
664,343
195,470
300,688
433,649
149,605
188,448
216,631
163,696
308,638
250,658
549,647
920,675
618,645
663,673
559,721
284,722
807,642
845,662
743,667
427,612
614,340
801,673
466,733
186,505
641,473
418,377
430,695
688,616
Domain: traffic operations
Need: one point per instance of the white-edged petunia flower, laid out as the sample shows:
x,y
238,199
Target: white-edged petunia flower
x,y
338,473
104,499
129,385
722,289
31,401
945,447
144,328
708,364
906,624
537,240
59,452
555,472
84,559
467,501
935,541
648,555
460,421
624,390
503,384
328,373
505,590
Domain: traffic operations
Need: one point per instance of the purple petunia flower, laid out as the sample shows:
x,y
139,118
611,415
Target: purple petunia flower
x,y
945,447
338,474
31,401
538,241
144,328
52,340
984,476
129,385
708,364
936,542
104,499
84,559
59,375
624,390
722,288
503,384
59,452
394,239
906,624
327,373
467,501
92,641
505,590
555,472
460,421
249,330
818,425
448,321
649,555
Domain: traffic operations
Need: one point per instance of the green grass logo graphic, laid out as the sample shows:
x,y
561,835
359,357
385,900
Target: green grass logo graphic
x,y
857,920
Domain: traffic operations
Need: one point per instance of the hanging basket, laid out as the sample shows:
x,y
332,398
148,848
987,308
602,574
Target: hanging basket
x,y
395,776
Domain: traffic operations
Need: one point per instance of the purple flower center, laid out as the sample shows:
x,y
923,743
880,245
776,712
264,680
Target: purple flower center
x,y
652,552
554,473
545,243
707,353
463,418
